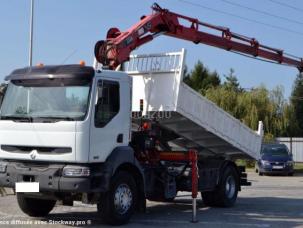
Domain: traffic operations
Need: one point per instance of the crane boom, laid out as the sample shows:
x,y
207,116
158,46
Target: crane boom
x,y
118,45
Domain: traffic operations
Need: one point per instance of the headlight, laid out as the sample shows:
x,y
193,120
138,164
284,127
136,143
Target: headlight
x,y
290,163
265,162
76,171
3,166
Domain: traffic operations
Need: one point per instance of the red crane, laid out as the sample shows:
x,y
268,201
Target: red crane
x,y
118,45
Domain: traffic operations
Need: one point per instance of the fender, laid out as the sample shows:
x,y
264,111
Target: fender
x,y
121,156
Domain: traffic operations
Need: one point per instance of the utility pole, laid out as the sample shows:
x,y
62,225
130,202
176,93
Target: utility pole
x,y
31,34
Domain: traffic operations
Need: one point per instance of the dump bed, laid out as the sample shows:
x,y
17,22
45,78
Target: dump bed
x,y
158,80
201,124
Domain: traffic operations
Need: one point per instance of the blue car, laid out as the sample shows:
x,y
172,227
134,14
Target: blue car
x,y
275,159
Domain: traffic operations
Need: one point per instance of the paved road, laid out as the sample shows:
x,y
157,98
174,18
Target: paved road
x,y
271,202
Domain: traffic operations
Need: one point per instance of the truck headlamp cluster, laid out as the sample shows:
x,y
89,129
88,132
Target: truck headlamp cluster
x,y
76,171
3,166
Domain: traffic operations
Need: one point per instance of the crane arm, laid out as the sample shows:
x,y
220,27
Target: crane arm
x,y
118,45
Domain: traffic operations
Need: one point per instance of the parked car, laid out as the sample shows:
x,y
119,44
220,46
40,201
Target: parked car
x,y
275,159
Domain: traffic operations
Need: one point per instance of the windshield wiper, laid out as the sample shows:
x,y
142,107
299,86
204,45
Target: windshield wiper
x,y
37,119
52,118
18,118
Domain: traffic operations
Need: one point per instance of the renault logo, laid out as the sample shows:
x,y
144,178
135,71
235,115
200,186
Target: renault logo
x,y
33,154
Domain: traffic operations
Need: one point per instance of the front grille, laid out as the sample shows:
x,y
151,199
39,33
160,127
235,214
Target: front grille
x,y
40,150
278,163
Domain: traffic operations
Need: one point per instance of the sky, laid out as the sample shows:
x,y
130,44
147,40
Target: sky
x,y
65,32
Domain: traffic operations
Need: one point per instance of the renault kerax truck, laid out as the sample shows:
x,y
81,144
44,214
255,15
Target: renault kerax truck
x,y
118,137
81,135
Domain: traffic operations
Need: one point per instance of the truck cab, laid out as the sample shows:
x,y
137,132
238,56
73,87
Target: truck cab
x,y
58,126
57,112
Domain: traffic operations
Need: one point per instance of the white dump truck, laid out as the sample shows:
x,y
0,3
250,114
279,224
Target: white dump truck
x,y
116,138
80,134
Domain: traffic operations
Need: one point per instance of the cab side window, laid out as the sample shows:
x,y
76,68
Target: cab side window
x,y
108,103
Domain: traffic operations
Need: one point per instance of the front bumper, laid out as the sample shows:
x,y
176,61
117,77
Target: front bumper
x,y
270,170
50,177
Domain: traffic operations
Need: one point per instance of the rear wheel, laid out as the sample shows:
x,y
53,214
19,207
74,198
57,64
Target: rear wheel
x,y
35,207
227,191
228,188
118,204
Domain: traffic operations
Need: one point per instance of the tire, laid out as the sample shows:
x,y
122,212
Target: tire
x,y
35,207
226,192
118,204
260,174
291,174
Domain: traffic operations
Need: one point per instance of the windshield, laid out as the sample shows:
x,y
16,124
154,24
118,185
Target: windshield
x,y
275,151
40,99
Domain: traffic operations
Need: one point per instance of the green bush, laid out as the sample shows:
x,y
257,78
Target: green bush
x,y
248,163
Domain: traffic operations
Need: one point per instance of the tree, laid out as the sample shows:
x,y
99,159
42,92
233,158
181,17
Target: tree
x,y
291,127
232,82
201,79
277,97
224,98
297,103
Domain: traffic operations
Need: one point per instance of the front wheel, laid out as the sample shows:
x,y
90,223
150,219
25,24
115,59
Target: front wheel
x,y
117,205
35,207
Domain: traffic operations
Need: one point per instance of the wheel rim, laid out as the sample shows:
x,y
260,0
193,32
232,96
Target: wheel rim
x,y
230,187
123,199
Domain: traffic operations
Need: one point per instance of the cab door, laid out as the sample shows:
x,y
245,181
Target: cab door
x,y
110,120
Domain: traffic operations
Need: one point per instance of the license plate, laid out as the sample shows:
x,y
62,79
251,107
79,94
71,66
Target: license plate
x,y
27,187
277,167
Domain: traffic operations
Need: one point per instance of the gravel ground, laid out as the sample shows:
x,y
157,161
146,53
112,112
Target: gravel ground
x,y
272,201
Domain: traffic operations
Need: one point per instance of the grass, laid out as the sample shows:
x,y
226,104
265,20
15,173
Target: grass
x,y
299,167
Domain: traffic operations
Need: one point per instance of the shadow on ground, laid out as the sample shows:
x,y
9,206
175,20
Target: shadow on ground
x,y
257,211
